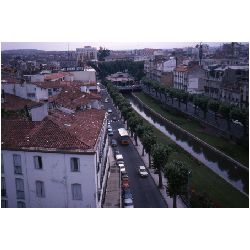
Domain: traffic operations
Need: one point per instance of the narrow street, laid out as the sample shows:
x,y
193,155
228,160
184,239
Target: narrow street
x,y
145,192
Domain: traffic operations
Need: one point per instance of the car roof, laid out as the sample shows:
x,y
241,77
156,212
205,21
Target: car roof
x,y
142,167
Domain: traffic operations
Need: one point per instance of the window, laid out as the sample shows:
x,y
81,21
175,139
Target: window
x,y
21,204
2,165
76,191
17,164
40,191
38,162
3,187
4,203
50,92
19,188
75,164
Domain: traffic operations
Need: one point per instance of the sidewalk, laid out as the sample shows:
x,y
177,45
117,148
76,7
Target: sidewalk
x,y
112,196
155,177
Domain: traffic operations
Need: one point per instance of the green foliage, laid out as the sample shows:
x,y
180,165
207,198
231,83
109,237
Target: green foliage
x,y
148,141
160,155
177,175
224,110
136,69
102,53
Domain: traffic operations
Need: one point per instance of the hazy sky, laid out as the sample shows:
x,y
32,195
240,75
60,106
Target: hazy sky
x,y
109,45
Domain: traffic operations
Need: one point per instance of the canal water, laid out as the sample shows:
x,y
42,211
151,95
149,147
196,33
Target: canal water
x,y
230,172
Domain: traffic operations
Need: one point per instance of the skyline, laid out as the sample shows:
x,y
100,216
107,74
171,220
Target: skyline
x,y
63,46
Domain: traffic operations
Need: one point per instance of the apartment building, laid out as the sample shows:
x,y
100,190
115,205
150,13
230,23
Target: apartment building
x,y
189,78
60,161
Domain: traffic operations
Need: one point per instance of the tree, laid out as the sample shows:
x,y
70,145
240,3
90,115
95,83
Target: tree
x,y
139,131
177,175
148,142
203,104
185,98
160,155
224,110
102,53
214,106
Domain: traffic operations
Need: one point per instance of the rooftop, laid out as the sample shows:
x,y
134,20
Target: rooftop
x,y
58,132
73,98
12,102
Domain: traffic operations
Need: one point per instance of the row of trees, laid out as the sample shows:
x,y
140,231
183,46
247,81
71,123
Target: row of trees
x,y
136,69
202,102
176,172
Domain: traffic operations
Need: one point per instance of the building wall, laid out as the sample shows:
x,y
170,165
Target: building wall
x,y
84,76
39,113
37,78
57,177
41,94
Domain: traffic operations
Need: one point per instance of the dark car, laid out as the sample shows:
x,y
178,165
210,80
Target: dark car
x,y
114,118
127,195
114,143
126,191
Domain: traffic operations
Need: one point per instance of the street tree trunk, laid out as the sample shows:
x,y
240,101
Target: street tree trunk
x,y
135,137
160,179
174,201
149,160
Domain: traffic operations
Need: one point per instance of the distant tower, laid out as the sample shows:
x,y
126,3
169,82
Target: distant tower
x,y
199,46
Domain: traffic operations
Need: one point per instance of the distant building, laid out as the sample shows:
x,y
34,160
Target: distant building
x,y
228,84
189,78
87,53
121,79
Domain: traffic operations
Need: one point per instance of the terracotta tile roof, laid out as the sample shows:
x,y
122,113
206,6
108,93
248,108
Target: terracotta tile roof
x,y
59,131
53,76
60,84
181,68
73,98
13,102
10,80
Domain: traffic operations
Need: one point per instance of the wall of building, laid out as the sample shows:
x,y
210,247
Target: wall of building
x,y
57,177
84,76
37,78
38,113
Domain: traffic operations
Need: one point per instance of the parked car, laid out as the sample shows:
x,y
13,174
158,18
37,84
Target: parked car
x,y
121,165
110,132
119,157
237,122
142,171
123,171
116,152
125,183
120,162
126,192
124,177
114,119
128,203
106,100
114,143
127,195
109,111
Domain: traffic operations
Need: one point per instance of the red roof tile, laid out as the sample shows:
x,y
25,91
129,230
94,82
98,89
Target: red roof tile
x,y
59,131
13,102
54,76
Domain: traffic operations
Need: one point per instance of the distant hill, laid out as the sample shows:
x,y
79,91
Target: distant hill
x,y
22,51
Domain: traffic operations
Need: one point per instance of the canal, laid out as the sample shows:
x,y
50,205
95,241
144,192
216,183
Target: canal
x,y
235,175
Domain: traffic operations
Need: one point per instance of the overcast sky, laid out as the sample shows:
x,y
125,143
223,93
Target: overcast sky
x,y
109,45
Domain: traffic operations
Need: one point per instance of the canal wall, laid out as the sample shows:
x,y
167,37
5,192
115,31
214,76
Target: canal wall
x,y
191,135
